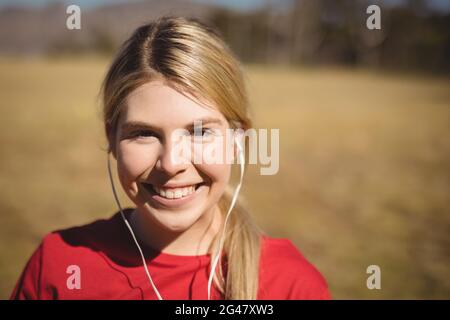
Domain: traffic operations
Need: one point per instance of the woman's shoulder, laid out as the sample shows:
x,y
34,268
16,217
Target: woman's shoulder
x,y
281,249
285,273
88,235
95,241
80,242
82,247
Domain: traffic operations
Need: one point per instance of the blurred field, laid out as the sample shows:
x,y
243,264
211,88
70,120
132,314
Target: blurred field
x,y
364,169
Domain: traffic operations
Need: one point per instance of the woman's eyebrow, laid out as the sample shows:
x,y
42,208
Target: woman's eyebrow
x,y
129,125
204,121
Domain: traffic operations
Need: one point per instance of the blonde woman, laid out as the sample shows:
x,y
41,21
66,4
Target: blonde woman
x,y
187,236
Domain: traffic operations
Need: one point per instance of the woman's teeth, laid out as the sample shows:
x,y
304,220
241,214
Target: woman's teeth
x,y
174,193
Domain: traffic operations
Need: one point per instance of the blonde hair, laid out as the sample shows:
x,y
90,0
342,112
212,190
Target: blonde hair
x,y
192,57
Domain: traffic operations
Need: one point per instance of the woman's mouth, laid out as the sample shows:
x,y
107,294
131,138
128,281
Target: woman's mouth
x,y
173,196
175,193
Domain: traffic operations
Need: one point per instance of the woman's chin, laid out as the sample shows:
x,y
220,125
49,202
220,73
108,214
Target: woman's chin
x,y
175,222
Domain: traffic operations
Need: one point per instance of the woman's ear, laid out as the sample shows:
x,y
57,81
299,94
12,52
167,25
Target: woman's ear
x,y
113,152
112,149
111,141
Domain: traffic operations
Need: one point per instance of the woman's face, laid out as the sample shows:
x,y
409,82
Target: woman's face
x,y
174,193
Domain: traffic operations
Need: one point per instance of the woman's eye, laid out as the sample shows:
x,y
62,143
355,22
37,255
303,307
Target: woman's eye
x,y
142,133
203,133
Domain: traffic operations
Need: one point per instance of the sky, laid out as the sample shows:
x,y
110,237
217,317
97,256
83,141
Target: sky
x,y
443,5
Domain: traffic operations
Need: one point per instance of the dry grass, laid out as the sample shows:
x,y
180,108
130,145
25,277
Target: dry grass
x,y
364,169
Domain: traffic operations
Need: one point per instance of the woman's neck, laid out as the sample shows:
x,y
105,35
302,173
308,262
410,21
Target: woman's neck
x,y
194,241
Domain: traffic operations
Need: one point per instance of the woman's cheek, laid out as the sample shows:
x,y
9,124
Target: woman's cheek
x,y
218,173
134,161
218,168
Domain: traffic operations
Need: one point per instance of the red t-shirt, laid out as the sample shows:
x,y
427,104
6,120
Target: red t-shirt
x,y
101,261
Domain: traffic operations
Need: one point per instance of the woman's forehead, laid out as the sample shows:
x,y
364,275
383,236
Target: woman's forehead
x,y
164,105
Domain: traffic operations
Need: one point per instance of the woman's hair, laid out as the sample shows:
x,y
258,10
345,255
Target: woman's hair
x,y
192,57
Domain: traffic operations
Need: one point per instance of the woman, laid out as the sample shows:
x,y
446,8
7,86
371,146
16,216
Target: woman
x,y
187,237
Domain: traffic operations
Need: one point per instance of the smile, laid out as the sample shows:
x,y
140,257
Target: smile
x,y
175,193
172,195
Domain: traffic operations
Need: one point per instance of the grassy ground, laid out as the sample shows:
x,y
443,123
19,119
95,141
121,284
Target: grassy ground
x,y
364,169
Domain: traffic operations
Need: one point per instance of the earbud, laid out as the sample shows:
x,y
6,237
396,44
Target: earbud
x,y
240,152
238,143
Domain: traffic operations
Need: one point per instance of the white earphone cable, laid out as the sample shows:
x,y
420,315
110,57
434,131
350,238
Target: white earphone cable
x,y
132,233
233,202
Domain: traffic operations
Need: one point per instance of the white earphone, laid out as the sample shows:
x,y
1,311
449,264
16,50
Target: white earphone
x,y
218,255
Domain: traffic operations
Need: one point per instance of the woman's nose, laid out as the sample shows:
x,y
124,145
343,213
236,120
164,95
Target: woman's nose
x,y
173,158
